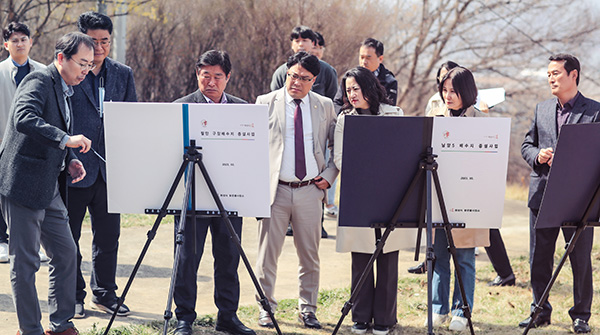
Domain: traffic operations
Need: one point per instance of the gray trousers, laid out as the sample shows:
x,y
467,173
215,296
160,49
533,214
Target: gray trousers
x,y
28,227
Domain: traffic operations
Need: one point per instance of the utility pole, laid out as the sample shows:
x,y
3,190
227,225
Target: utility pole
x,y
101,6
120,32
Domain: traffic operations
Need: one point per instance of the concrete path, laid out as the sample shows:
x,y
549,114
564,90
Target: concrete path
x,y
148,295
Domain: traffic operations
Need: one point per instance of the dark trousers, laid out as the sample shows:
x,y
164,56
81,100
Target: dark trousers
x,y
542,245
106,229
3,230
226,260
497,254
376,303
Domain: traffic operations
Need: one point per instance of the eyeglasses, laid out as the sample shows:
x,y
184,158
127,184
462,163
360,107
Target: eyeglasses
x,y
83,66
103,43
294,76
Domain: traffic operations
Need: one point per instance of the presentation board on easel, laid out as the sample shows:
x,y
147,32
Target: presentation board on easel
x,y
382,154
145,145
574,176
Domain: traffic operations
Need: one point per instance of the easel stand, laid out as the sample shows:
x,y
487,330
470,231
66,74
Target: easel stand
x,y
191,159
430,166
580,226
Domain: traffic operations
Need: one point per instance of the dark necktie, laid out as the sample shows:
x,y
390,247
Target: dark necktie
x,y
300,166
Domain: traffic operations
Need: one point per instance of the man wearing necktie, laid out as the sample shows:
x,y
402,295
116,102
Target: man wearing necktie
x,y
300,123
567,107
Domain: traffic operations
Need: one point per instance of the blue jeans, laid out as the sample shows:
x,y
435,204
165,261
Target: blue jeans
x,y
441,276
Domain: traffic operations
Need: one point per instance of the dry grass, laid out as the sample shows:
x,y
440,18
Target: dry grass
x,y
497,310
516,192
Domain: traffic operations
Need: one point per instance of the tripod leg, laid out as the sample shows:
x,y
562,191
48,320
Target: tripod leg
x,y
236,240
179,243
151,234
537,309
452,249
363,277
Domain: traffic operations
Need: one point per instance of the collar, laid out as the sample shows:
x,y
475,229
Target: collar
x,y
17,64
67,90
223,99
569,103
290,100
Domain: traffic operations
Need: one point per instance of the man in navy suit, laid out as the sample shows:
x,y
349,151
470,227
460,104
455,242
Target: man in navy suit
x,y
108,81
213,71
36,150
568,106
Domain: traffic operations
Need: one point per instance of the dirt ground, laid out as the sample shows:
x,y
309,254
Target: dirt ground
x,y
147,297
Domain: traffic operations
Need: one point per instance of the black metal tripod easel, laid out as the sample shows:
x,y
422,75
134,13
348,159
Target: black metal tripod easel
x,y
430,167
580,226
191,159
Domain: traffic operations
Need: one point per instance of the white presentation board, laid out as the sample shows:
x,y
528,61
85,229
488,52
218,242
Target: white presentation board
x,y
145,146
473,159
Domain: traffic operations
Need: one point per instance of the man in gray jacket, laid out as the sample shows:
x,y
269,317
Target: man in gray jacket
x,y
18,43
36,150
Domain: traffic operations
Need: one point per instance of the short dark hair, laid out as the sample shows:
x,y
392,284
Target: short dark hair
x,y
449,65
309,62
303,32
69,44
463,84
570,63
94,20
370,87
320,39
15,27
375,44
215,57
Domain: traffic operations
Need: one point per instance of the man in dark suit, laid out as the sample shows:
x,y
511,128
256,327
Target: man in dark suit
x,y
213,71
300,124
37,149
568,106
108,81
370,56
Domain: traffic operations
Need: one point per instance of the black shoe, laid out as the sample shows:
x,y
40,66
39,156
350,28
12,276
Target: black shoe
x,y
233,326
110,308
310,320
289,231
539,322
418,269
581,326
506,281
324,233
183,328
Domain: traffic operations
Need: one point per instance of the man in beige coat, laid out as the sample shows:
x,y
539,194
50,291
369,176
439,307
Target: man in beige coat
x,y
300,123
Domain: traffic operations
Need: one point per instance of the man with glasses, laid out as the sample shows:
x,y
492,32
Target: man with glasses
x,y
18,43
213,70
36,153
300,123
109,80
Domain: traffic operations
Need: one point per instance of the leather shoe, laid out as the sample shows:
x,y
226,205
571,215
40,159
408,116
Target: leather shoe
x,y
264,320
310,320
70,331
506,281
539,322
233,326
581,326
418,269
183,328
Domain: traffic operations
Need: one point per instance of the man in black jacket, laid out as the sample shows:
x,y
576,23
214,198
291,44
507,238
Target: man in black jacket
x,y
108,81
213,71
371,57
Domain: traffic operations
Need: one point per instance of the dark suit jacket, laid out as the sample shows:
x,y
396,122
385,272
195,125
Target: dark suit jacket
x,y
543,134
30,155
119,86
198,98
